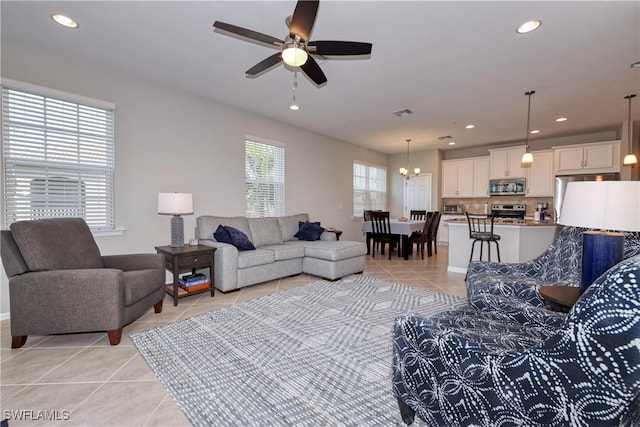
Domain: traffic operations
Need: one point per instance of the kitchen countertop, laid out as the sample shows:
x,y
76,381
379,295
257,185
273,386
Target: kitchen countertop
x,y
509,222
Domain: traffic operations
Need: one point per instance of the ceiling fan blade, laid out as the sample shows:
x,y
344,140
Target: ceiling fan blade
x,y
303,18
328,47
250,34
265,64
313,71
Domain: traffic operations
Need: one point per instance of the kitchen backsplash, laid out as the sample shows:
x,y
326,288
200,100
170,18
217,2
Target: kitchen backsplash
x,y
476,205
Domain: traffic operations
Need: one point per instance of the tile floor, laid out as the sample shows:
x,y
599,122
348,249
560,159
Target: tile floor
x,y
80,380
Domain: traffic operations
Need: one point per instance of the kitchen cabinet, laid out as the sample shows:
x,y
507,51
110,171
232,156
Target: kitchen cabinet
x,y
599,157
481,177
457,178
443,226
506,162
540,175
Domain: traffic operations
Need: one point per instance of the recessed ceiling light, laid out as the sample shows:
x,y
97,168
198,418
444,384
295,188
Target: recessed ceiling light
x,y
64,20
452,143
561,119
528,26
535,131
469,126
294,107
635,64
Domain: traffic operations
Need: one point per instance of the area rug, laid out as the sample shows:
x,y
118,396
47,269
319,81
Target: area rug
x,y
315,355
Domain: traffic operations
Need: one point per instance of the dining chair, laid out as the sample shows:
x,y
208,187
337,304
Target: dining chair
x,y
418,215
382,233
368,234
420,238
433,233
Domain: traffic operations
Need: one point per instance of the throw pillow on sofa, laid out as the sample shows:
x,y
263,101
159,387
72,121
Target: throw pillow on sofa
x,y
222,235
309,231
237,238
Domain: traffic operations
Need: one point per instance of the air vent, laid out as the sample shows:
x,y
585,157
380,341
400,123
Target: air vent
x,y
403,113
445,137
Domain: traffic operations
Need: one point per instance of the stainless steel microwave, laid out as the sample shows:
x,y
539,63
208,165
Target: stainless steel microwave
x,y
507,187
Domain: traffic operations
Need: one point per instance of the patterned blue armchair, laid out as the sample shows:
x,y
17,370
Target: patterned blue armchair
x,y
559,264
524,367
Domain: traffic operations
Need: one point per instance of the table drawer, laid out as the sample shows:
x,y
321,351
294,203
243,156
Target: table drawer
x,y
193,261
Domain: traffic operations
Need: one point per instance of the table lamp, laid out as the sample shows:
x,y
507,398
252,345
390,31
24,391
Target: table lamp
x,y
176,204
608,206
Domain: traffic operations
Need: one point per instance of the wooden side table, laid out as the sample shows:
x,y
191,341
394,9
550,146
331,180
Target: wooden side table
x,y
185,259
560,298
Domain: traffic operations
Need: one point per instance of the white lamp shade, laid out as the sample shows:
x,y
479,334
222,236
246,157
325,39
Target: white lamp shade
x,y
606,205
175,203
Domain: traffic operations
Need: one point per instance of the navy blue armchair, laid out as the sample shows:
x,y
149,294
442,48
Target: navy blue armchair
x,y
525,365
559,264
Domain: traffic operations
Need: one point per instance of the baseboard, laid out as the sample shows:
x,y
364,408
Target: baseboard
x,y
457,270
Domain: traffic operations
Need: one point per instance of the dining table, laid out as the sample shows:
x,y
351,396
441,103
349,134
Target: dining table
x,y
402,227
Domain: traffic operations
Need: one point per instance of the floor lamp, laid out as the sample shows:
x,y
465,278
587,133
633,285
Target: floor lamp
x,y
609,207
176,204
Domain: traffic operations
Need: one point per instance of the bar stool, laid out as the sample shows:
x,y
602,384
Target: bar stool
x,y
481,230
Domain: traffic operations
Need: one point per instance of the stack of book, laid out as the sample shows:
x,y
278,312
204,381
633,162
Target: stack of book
x,y
194,282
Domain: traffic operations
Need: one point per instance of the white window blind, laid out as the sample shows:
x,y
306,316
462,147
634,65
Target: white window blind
x,y
369,188
58,159
264,178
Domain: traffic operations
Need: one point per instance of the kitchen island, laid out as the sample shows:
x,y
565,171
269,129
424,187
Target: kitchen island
x,y
520,241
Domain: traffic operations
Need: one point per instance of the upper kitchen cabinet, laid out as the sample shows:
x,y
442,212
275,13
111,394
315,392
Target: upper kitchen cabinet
x,y
587,158
457,178
481,177
540,175
506,163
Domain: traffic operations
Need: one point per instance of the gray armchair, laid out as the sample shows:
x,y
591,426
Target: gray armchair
x,y
59,283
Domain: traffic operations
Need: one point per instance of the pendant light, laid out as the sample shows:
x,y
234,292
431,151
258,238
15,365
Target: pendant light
x,y
527,157
405,171
630,159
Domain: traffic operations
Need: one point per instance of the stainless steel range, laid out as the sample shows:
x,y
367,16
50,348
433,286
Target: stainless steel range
x,y
508,211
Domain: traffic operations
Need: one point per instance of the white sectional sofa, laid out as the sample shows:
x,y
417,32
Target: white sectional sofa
x,y
278,253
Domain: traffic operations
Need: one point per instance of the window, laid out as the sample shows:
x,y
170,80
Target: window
x,y
57,157
264,177
369,188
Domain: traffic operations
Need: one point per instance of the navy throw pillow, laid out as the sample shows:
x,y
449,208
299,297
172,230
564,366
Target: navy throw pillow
x,y
309,231
239,239
222,235
300,223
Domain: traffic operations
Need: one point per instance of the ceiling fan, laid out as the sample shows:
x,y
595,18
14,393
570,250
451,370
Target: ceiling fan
x,y
296,49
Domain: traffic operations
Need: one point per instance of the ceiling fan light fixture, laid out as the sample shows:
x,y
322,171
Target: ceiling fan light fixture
x,y
294,56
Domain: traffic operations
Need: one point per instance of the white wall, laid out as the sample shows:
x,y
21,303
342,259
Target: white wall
x,y
168,140
429,162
